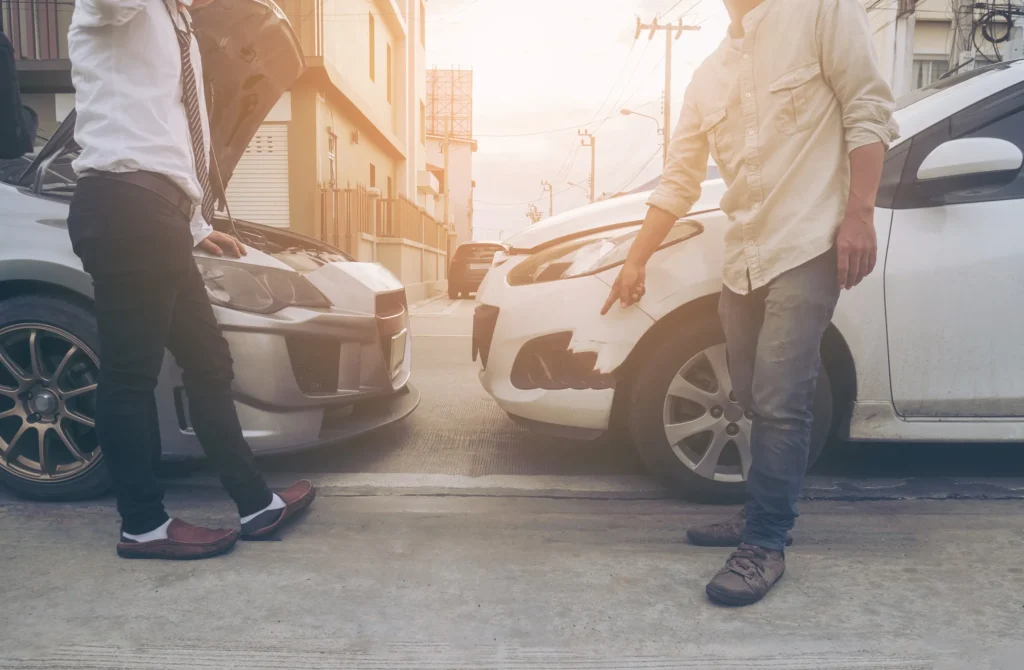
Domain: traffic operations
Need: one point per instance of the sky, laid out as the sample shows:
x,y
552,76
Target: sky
x,y
545,69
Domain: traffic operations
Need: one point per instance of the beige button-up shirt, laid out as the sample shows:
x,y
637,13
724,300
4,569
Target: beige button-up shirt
x,y
780,110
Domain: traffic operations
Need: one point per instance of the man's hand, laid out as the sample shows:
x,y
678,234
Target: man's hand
x,y
218,244
857,247
629,287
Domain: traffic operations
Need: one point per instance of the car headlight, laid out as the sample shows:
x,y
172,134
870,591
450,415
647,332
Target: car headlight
x,y
252,288
591,254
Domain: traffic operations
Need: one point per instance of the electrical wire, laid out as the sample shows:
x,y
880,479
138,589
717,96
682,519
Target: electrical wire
x,y
519,204
639,172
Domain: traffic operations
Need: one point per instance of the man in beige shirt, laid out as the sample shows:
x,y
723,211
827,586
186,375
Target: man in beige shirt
x,y
794,111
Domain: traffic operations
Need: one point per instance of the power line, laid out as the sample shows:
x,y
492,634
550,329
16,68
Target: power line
x,y
640,171
518,204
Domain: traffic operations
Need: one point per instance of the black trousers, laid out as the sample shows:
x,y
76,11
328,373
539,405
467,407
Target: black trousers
x,y
149,296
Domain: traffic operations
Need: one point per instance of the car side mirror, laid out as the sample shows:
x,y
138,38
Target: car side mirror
x,y
971,156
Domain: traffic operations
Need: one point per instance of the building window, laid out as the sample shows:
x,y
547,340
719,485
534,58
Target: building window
x,y
423,23
389,73
928,70
332,158
423,123
373,48
373,175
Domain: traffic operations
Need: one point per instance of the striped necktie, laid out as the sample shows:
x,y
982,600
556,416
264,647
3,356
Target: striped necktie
x,y
190,100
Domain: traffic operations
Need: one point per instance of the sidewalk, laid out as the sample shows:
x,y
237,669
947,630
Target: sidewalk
x,y
447,581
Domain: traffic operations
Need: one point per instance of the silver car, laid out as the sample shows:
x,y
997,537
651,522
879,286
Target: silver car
x,y
320,343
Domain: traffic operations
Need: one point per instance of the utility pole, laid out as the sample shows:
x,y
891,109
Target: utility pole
x,y
546,185
589,140
673,31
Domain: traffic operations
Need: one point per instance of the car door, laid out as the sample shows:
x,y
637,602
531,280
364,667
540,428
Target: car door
x,y
954,273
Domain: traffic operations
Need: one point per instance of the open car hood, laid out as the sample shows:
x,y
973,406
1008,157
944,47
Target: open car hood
x,y
250,57
613,213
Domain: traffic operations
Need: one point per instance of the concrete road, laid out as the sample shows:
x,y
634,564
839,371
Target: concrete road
x,y
526,583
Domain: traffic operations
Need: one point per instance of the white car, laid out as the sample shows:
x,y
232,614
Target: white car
x,y
930,347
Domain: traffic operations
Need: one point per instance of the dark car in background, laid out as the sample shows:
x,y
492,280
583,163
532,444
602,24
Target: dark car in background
x,y
470,264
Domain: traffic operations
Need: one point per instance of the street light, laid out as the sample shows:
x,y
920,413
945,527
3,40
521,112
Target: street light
x,y
630,112
586,189
664,151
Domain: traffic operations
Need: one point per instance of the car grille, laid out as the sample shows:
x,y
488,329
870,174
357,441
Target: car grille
x,y
485,318
315,363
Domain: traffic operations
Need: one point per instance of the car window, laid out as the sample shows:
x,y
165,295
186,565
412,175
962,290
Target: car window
x,y
1000,116
948,82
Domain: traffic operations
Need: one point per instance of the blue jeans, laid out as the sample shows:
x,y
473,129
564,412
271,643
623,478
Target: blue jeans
x,y
773,336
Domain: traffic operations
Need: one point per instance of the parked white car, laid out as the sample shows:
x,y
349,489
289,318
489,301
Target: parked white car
x,y
930,347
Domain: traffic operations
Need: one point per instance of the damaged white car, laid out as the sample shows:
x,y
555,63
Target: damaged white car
x,y
320,343
927,348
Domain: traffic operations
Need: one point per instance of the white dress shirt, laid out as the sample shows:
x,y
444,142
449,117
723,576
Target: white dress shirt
x,y
126,70
780,110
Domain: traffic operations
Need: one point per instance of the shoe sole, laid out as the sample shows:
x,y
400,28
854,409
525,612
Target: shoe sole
x,y
731,542
289,516
124,552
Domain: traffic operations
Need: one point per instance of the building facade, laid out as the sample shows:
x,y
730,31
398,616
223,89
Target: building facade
x,y
448,128
918,41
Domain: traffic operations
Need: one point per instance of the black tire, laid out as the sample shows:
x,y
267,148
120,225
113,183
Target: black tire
x,y
453,293
645,414
81,323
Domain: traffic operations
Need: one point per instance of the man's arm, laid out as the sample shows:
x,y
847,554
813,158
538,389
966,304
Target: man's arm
x,y
679,188
849,66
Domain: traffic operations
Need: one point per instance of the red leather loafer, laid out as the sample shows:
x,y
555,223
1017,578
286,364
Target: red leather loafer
x,y
184,542
296,497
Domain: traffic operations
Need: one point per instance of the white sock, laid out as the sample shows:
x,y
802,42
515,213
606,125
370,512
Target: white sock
x,y
275,503
159,534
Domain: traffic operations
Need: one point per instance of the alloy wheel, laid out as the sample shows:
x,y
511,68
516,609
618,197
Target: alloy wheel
x,y
706,427
48,383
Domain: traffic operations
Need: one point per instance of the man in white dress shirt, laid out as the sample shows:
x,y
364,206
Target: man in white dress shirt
x,y
143,201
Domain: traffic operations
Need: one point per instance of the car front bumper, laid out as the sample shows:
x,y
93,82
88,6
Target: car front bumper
x,y
306,377
550,355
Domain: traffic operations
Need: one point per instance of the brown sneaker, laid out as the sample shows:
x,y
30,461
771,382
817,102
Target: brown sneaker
x,y
296,497
728,533
747,575
184,542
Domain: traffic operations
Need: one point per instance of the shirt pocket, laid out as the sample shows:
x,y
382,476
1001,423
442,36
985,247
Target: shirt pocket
x,y
791,98
713,124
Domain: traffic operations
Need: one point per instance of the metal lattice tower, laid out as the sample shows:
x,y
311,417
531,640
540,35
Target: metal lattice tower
x,y
450,96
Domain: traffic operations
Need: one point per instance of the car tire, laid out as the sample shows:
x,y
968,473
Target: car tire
x,y
649,411
453,293
55,321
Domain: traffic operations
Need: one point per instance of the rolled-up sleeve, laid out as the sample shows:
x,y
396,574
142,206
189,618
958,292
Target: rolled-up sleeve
x,y
687,163
850,67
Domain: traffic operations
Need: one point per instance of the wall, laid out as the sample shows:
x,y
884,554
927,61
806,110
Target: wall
x,y
353,158
346,47
460,169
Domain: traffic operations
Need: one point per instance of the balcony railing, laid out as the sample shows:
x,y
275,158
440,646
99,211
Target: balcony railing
x,y
38,29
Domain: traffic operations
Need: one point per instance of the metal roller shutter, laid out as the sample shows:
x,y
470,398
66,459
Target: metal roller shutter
x,y
258,190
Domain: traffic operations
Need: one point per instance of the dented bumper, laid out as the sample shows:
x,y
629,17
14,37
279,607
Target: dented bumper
x,y
547,355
